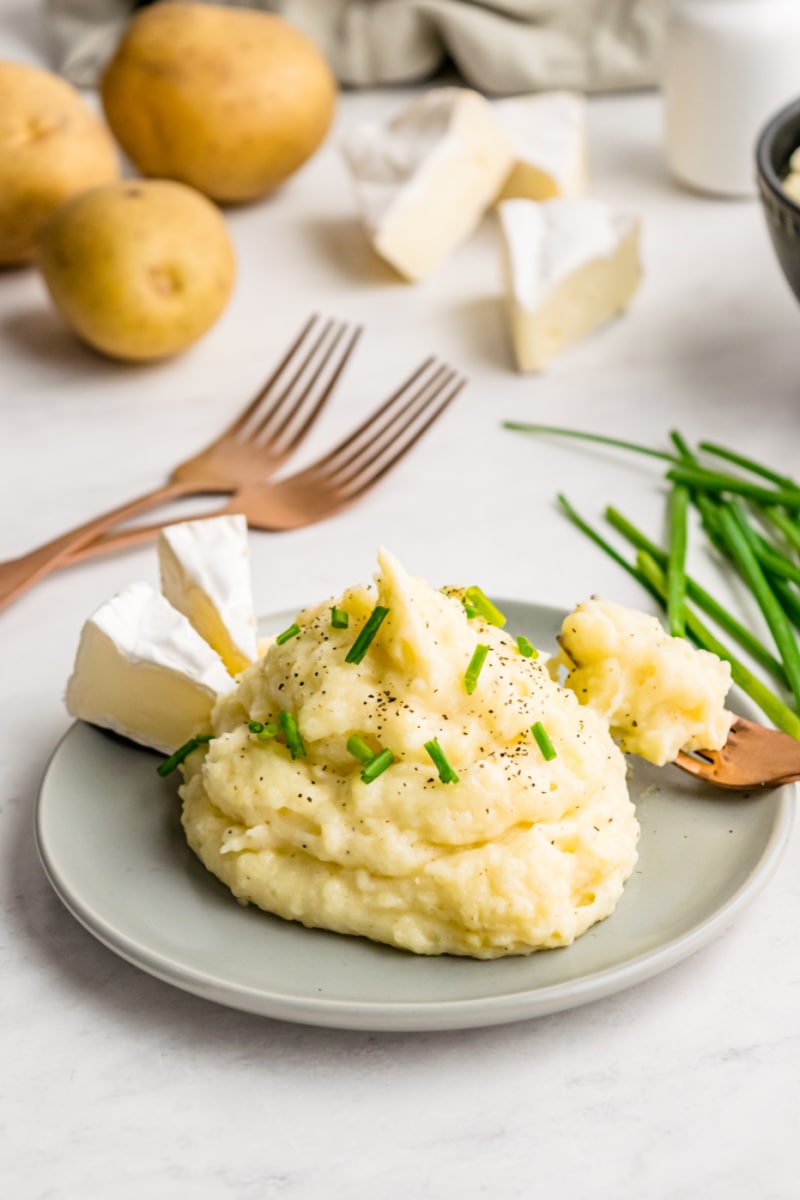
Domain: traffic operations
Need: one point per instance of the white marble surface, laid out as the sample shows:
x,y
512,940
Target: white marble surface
x,y
116,1086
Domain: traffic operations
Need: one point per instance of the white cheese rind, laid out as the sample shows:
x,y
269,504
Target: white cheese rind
x,y
205,574
548,134
571,265
144,672
425,178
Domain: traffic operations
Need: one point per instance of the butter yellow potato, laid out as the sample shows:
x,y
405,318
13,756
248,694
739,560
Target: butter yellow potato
x,y
228,100
51,147
521,853
140,269
658,693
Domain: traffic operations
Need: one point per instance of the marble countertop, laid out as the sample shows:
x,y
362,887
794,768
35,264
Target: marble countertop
x,y
117,1086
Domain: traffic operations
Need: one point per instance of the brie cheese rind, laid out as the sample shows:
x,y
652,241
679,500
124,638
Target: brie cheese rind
x,y
548,134
205,574
425,178
521,853
144,672
658,693
571,265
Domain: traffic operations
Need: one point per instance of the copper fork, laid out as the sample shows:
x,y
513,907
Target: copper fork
x,y
752,757
253,447
341,477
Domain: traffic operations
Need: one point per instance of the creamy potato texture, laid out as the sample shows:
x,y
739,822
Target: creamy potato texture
x,y
658,693
520,853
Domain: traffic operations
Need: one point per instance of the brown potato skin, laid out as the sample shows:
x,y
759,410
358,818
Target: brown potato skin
x,y
230,101
51,147
140,269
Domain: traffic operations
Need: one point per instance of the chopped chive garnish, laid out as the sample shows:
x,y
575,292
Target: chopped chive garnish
x,y
483,604
364,640
292,734
475,667
359,749
287,634
268,732
446,772
339,618
377,765
543,741
174,761
471,610
255,726
526,648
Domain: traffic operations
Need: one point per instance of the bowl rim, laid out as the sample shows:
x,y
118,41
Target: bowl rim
x,y
766,172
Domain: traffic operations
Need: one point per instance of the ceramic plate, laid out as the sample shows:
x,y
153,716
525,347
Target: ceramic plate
x,y
111,843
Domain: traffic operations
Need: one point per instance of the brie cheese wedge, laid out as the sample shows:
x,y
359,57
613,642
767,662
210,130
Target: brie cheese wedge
x,y
570,265
548,134
205,574
143,671
425,179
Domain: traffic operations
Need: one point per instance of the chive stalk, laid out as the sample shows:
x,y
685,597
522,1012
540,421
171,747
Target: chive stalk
x,y
490,612
773,708
718,482
364,640
475,667
789,529
581,435
605,546
174,761
287,634
339,618
543,741
292,734
446,772
268,732
377,765
676,561
748,464
752,572
526,648
747,640
359,749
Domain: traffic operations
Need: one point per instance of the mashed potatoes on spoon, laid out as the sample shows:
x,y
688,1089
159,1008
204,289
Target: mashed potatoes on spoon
x,y
523,850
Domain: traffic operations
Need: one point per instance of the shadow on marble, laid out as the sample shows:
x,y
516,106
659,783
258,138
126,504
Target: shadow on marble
x,y
481,324
341,241
40,335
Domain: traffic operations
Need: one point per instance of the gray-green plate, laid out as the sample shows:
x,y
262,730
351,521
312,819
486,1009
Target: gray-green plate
x,y
111,843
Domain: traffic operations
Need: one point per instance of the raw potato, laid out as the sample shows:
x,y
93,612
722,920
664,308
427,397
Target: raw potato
x,y
139,269
51,147
227,100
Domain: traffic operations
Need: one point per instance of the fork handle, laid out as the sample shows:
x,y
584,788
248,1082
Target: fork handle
x,y
18,574
123,539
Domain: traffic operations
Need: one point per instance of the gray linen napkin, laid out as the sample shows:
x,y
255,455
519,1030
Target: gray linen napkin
x,y
499,46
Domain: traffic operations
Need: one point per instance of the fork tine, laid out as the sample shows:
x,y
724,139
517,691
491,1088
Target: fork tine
x,y
401,450
369,424
259,421
310,417
252,407
386,436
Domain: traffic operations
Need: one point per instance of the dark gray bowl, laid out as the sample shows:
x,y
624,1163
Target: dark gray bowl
x,y
779,139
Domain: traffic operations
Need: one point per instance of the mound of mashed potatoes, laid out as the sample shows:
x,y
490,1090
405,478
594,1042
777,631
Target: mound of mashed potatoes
x,y
522,852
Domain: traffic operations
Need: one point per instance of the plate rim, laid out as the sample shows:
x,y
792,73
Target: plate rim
x,y
416,1016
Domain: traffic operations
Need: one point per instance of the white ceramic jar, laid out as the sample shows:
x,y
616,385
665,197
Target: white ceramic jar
x,y
729,65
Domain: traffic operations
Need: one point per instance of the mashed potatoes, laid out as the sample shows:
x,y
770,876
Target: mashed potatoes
x,y
658,693
520,853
